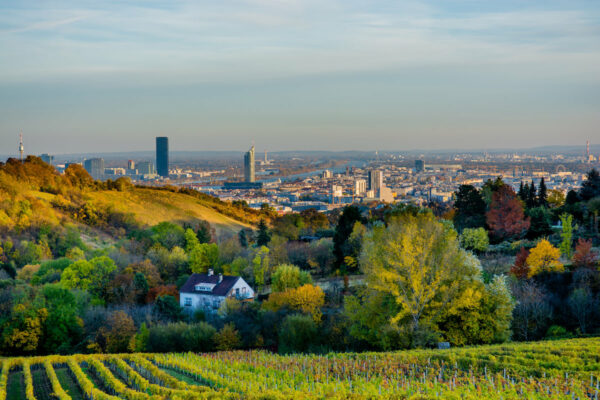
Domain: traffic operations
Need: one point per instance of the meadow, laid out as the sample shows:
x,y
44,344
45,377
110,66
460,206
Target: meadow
x,y
561,369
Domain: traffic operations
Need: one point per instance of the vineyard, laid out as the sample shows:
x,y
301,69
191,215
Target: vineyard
x,y
566,369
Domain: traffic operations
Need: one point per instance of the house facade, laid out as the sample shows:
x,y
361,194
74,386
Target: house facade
x,y
207,292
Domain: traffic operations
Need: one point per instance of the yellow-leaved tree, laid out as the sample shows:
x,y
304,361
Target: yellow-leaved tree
x,y
544,258
307,298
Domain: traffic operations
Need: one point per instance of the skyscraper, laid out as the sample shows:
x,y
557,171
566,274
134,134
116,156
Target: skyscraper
x,y
375,180
162,156
95,167
419,165
249,165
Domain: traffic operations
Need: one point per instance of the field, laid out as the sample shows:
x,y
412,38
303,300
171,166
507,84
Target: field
x,y
566,369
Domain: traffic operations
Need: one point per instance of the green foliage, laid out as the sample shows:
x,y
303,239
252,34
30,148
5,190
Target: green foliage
x,y
287,276
260,266
62,327
297,334
566,234
470,208
167,308
474,239
181,337
141,339
264,236
92,275
343,230
168,235
203,256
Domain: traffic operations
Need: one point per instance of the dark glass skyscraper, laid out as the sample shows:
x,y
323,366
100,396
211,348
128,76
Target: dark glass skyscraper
x,y
162,156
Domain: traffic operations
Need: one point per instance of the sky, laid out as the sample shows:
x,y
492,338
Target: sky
x,y
88,76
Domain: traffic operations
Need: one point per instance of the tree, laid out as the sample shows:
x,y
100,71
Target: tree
x,y
581,304
544,258
520,269
470,208
297,334
22,331
167,308
542,200
474,239
556,199
532,311
287,276
203,256
584,256
168,235
191,240
307,298
141,339
418,261
566,234
141,287
264,236
243,238
531,200
260,266
92,275
590,188
350,215
539,218
120,333
227,338
505,217
62,327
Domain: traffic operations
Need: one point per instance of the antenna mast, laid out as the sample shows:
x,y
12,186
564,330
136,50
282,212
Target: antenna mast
x,y
21,147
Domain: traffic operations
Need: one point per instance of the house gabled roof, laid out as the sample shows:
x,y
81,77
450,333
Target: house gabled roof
x,y
220,288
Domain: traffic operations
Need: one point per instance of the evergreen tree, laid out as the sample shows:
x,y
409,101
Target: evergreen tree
x,y
243,238
264,237
543,194
343,230
470,208
591,186
531,196
521,193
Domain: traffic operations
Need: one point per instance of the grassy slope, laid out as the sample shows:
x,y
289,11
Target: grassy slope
x,y
154,206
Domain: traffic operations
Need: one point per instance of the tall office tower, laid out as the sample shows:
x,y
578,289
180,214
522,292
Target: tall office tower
x,y
375,180
95,167
587,151
419,165
249,165
162,156
47,158
360,187
21,147
130,164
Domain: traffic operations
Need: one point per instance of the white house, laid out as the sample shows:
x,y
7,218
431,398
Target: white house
x,y
206,292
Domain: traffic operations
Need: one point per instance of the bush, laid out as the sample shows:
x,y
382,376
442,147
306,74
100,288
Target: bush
x,y
557,332
475,239
179,337
297,334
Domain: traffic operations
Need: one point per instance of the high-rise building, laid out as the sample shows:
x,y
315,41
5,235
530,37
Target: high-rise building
x,y
130,164
95,167
47,158
360,187
162,156
145,168
375,180
419,165
249,166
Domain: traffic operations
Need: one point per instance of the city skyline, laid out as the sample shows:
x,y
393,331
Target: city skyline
x,y
299,75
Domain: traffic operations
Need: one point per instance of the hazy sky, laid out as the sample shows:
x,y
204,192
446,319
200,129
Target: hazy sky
x,y
83,76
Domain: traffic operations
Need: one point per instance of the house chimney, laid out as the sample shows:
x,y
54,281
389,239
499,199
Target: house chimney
x,y
220,278
210,272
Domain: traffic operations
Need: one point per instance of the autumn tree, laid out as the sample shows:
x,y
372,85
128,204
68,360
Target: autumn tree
x,y
582,305
307,298
506,218
520,269
287,276
474,239
584,256
544,258
120,333
92,275
417,261
228,338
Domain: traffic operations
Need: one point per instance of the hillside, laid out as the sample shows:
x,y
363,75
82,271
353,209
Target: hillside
x,y
563,369
150,207
33,194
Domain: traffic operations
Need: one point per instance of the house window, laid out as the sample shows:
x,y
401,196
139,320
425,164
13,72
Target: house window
x,y
237,292
215,303
187,301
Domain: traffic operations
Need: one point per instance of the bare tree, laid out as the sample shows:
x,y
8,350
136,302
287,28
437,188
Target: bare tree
x,y
532,311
